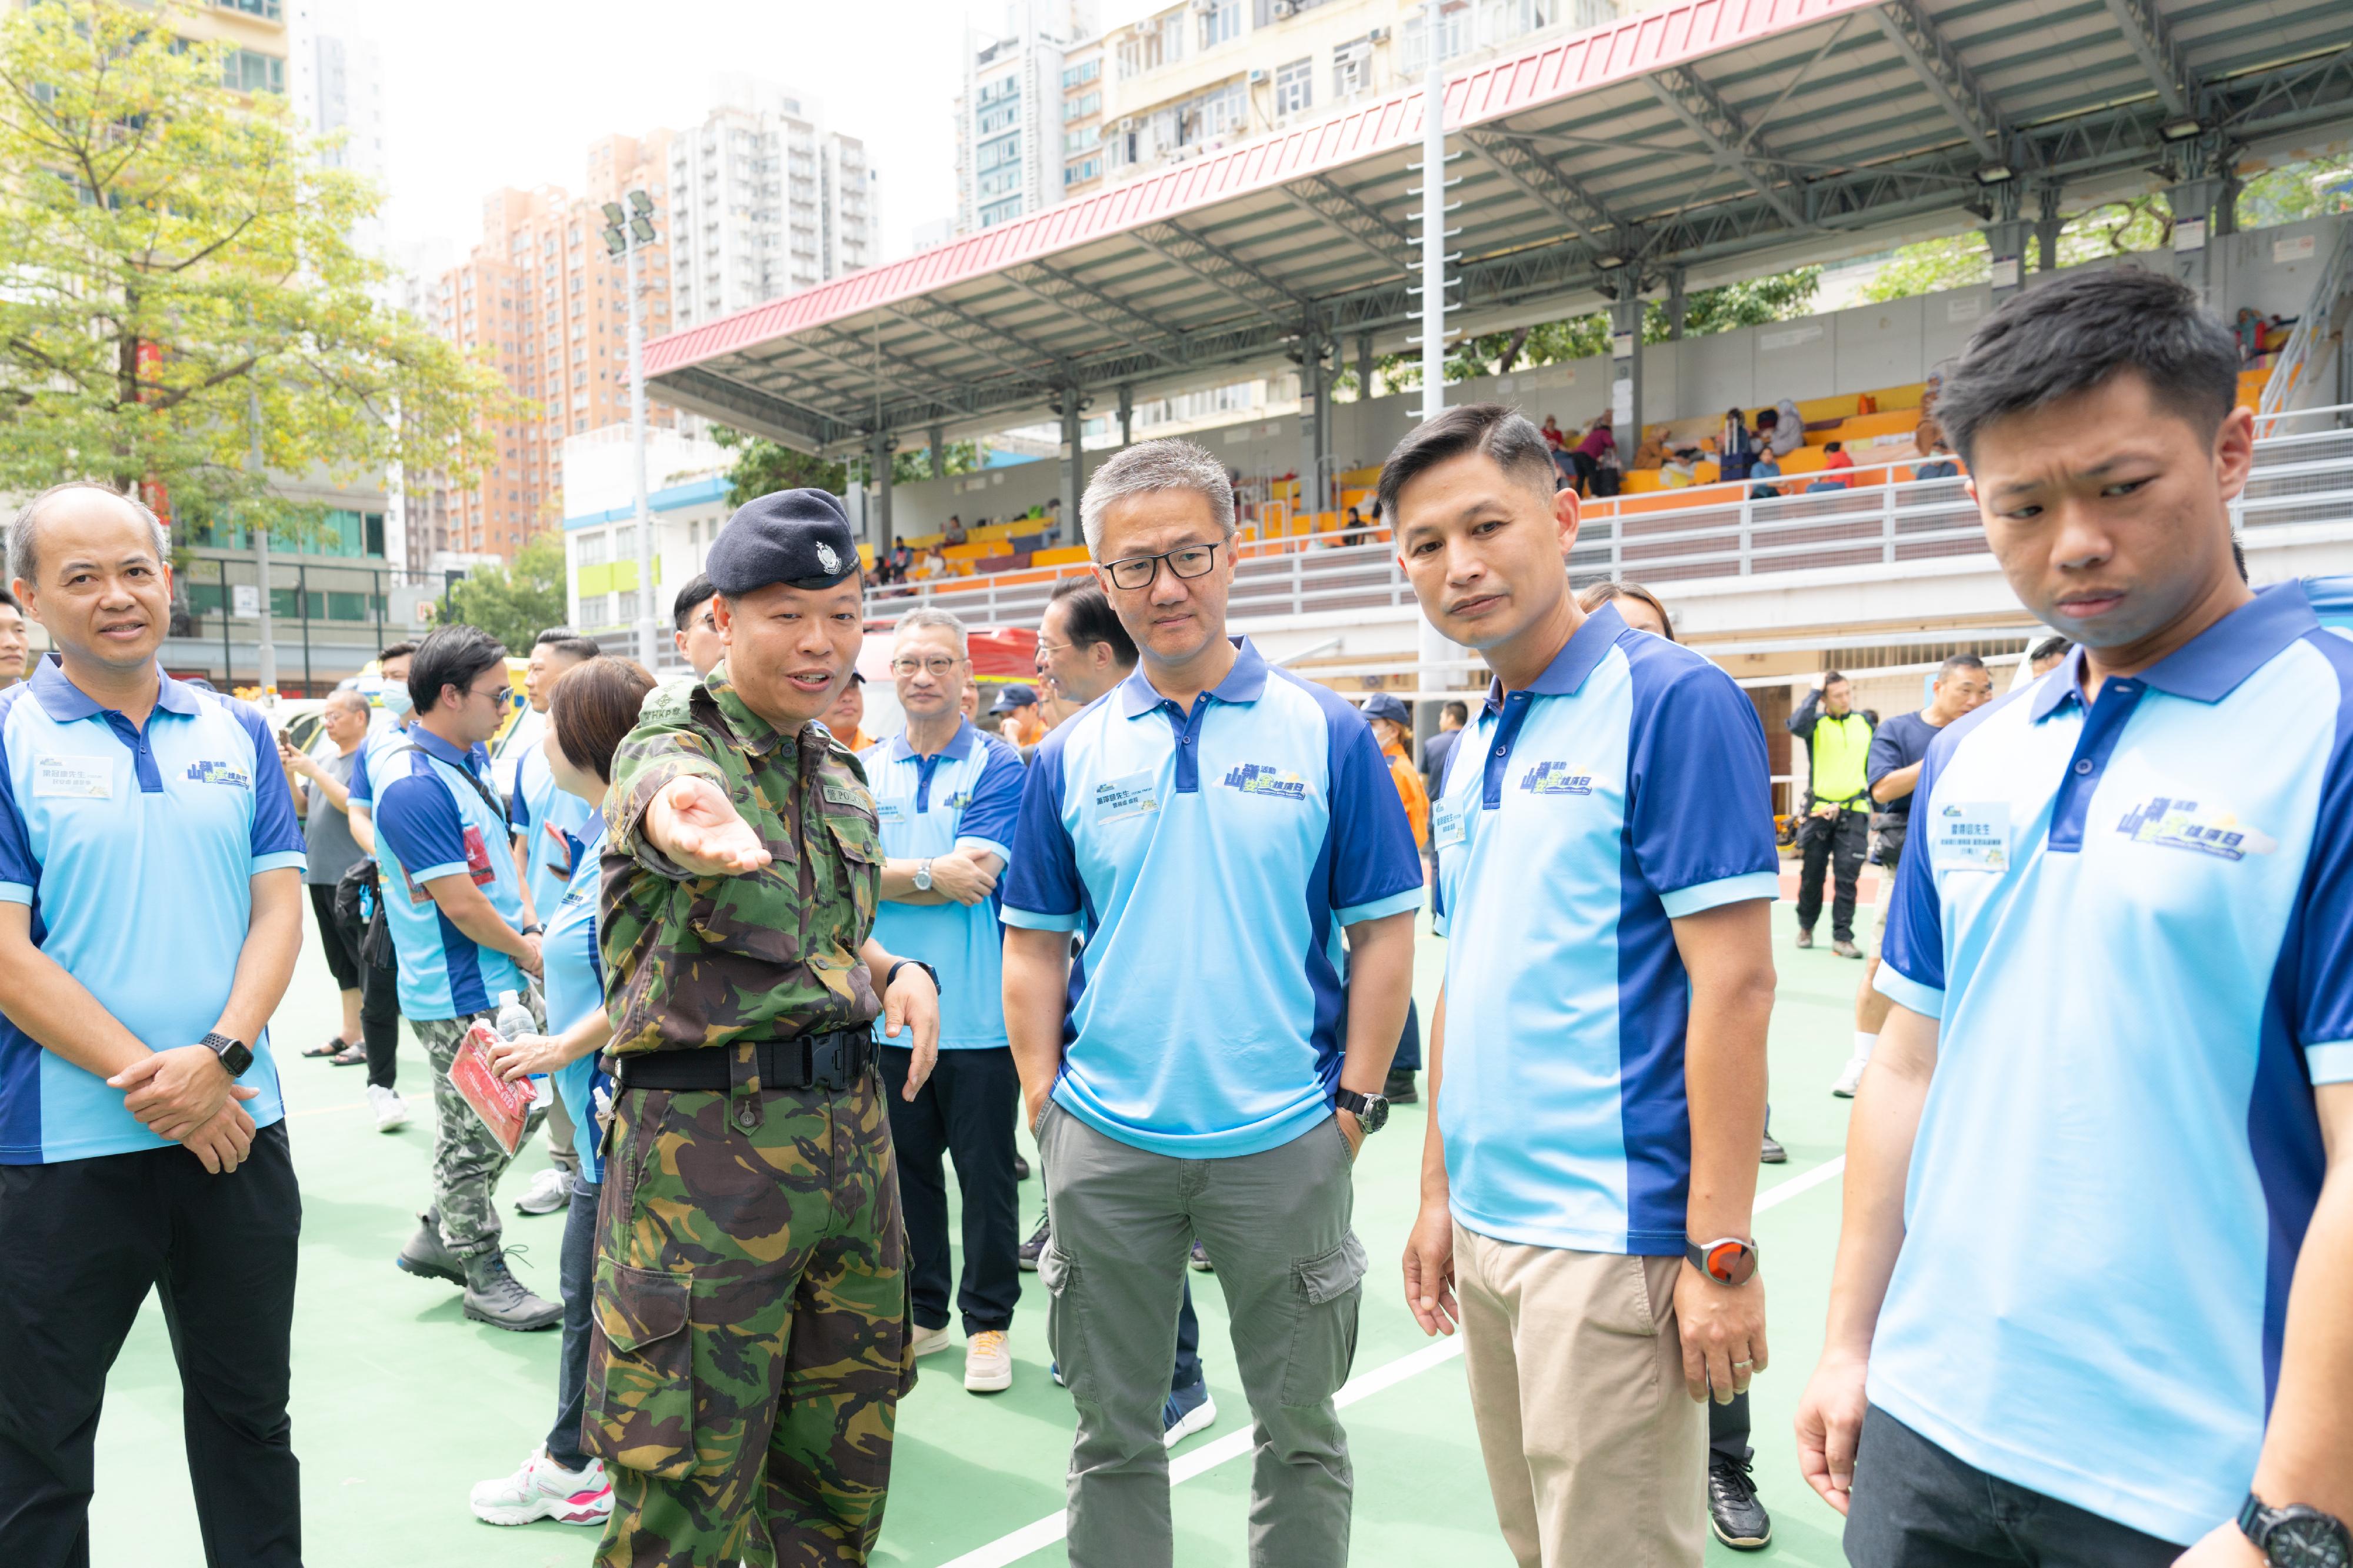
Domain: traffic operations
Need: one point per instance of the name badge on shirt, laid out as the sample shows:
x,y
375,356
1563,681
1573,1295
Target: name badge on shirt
x,y
1116,800
1970,836
1448,828
73,778
890,813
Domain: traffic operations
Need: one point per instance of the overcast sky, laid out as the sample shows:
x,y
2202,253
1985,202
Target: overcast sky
x,y
485,93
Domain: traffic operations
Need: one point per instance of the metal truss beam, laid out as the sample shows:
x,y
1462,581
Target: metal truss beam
x,y
839,348
1711,120
1385,242
961,326
1908,29
1536,177
734,403
2151,40
1092,305
1222,269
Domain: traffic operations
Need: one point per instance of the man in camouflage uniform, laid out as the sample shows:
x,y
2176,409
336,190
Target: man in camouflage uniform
x,y
750,1340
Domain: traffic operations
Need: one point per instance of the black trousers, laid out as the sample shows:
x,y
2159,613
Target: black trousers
x,y
964,1111
379,1010
84,1241
342,949
1919,1506
1728,1429
1836,845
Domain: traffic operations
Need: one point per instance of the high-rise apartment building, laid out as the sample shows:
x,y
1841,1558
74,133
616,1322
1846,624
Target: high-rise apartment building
x,y
1009,113
547,307
768,203
253,34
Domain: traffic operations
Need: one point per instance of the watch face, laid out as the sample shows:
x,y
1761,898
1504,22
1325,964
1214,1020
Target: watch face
x,y
2308,1540
1376,1113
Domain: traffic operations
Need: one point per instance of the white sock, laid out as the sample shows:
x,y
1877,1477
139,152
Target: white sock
x,y
1863,1045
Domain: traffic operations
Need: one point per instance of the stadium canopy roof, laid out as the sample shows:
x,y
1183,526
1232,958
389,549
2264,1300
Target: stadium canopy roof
x,y
1709,141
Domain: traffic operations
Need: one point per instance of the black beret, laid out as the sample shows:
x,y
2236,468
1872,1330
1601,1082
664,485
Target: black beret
x,y
798,537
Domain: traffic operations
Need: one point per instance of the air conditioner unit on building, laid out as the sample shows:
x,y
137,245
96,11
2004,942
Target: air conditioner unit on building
x,y
1127,127
1257,79
1284,8
1379,34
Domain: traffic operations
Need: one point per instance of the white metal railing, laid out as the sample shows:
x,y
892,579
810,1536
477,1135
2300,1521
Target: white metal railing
x,y
2316,326
2302,478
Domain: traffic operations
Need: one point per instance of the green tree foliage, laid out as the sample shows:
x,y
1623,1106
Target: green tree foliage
x,y
514,604
168,249
762,466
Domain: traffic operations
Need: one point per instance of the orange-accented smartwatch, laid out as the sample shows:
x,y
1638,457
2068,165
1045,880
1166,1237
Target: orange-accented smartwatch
x,y
1728,1260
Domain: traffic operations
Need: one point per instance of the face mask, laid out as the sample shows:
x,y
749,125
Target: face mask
x,y
391,696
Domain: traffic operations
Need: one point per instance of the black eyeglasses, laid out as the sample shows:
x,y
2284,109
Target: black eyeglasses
x,y
1185,561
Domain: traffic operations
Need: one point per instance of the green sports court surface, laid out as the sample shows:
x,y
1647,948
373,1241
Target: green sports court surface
x,y
400,1403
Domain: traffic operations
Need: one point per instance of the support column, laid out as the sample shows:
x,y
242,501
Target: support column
x,y
938,437
1364,366
1311,407
1626,369
1324,441
2047,226
1127,417
879,449
2193,201
1073,463
1675,304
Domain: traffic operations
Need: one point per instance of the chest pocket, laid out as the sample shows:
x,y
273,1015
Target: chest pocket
x,y
850,817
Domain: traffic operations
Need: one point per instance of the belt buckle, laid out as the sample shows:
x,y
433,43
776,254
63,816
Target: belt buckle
x,y
829,1063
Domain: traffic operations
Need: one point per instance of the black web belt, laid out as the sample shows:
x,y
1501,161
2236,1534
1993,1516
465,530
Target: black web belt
x,y
835,1061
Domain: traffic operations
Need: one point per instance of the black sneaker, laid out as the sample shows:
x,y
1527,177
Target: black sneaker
x,y
496,1297
1399,1089
426,1257
1200,1259
1027,1255
1021,1168
1734,1512
1773,1153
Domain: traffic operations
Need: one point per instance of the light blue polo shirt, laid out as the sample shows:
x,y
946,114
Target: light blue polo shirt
x,y
967,795
2135,922
1626,788
136,849
574,977
552,822
429,822
1210,861
370,763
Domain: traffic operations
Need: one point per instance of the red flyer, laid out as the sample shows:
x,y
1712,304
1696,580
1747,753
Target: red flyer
x,y
504,1107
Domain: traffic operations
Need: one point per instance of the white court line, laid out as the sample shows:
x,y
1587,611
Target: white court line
x,y
1041,1533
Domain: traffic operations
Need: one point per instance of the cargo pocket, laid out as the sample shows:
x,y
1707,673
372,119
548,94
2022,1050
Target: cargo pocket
x,y
1330,1288
640,1394
1065,1324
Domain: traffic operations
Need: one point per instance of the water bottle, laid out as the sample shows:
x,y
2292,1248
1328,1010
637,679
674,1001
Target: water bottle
x,y
514,1021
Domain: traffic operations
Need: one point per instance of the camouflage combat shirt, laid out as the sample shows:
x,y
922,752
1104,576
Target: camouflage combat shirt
x,y
694,962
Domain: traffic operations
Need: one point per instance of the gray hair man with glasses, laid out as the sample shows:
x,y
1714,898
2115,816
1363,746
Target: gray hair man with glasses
x,y
1209,829
946,797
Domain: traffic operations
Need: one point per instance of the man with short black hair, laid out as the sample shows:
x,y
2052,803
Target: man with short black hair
x,y
1452,718
1836,834
455,903
14,645
2089,1302
378,1047
693,628
2045,656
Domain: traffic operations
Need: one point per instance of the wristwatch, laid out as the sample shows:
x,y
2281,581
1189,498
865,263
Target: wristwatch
x,y
893,972
1727,1260
923,875
234,1054
2296,1536
1371,1111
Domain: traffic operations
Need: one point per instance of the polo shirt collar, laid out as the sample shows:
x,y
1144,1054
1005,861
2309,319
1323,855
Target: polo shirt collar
x,y
958,747
1245,682
1577,659
2215,663
433,745
65,703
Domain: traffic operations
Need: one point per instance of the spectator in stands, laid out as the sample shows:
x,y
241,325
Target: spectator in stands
x,y
1587,455
902,558
692,629
1356,531
1836,833
1763,469
1962,687
845,720
1837,465
935,565
1439,747
954,533
1789,428
1392,724
1936,458
1552,437
2248,328
592,708
1736,447
1053,518
1016,706
14,643
1681,467
2046,656
322,780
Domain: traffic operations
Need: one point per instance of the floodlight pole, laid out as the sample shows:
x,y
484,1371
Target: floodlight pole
x,y
1433,649
267,665
637,449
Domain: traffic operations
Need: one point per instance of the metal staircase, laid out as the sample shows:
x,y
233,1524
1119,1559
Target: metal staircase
x,y
2319,339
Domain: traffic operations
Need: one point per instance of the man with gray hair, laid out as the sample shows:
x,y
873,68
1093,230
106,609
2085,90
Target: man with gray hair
x,y
1210,828
946,796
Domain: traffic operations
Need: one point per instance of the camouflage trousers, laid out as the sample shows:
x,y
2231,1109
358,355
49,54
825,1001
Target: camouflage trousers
x,y
466,1161
749,1345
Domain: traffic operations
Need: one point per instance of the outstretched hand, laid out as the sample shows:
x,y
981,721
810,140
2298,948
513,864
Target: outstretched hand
x,y
691,820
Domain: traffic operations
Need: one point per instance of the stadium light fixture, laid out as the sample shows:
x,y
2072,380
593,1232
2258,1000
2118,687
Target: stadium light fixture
x,y
1996,175
2183,129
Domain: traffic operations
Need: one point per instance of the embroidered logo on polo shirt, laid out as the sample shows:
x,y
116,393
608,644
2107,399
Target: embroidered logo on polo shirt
x,y
959,800
1258,778
1557,778
2173,824
227,774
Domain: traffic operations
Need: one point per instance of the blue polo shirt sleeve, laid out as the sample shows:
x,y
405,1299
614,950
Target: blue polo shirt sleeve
x,y
20,873
1911,946
1699,809
420,820
277,835
1041,890
992,821
1375,870
518,808
2322,1005
362,792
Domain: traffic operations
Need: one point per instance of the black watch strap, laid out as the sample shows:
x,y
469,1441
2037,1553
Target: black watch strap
x,y
893,972
2296,1536
234,1055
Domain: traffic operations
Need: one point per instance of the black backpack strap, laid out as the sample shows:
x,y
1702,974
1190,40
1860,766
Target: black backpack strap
x,y
480,788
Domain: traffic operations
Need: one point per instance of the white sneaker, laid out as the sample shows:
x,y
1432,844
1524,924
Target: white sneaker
x,y
1850,1077
391,1112
988,1362
549,1191
926,1341
545,1490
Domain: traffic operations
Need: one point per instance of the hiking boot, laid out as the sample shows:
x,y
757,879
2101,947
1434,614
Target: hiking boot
x,y
1028,1256
426,1257
496,1297
1734,1512
1846,949
1805,938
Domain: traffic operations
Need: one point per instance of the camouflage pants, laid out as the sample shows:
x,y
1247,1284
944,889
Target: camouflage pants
x,y
750,1337
466,1161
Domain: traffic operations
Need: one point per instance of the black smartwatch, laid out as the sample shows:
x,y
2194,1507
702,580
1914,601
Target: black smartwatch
x,y
2296,1536
234,1055
893,972
1371,1111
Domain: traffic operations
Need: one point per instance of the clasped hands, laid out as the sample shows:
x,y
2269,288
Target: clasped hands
x,y
186,1095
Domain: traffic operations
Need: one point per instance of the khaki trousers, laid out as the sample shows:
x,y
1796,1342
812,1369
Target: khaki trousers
x,y
1595,1453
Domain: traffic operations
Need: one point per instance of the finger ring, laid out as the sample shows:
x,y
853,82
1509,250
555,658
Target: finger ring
x,y
1743,1364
